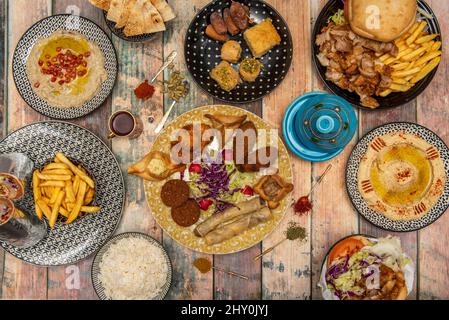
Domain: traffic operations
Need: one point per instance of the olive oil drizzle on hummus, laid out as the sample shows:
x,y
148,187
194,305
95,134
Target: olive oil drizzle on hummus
x,y
401,175
65,45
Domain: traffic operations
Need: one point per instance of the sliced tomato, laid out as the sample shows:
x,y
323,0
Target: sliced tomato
x,y
344,248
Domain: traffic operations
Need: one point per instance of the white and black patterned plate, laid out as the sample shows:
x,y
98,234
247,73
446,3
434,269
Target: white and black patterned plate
x,y
202,54
95,271
67,244
45,28
352,170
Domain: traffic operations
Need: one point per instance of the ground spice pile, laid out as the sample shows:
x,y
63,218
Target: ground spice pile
x,y
203,265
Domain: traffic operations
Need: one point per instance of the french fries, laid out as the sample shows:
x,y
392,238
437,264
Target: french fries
x,y
75,169
419,54
62,189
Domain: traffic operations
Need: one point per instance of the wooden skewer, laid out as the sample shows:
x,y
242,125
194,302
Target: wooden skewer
x,y
329,167
269,250
235,274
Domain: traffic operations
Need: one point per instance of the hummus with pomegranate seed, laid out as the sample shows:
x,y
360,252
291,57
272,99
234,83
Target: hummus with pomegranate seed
x,y
66,69
401,176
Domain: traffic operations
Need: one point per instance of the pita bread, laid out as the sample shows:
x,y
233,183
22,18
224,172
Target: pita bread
x,y
165,10
102,4
124,17
115,10
136,22
394,17
152,18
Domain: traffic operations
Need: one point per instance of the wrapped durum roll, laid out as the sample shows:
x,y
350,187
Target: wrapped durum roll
x,y
240,209
239,226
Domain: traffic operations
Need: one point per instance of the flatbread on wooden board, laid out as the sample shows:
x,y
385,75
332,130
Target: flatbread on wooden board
x,y
102,4
165,10
115,10
153,20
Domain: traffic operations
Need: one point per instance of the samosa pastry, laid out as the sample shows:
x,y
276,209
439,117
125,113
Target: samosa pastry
x,y
239,226
223,122
155,166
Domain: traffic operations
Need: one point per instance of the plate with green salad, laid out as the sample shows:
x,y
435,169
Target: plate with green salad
x,y
360,267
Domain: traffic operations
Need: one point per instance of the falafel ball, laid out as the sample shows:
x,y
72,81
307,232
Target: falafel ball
x,y
186,215
175,193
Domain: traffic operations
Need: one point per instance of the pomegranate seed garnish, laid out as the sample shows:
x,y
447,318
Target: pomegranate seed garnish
x,y
205,204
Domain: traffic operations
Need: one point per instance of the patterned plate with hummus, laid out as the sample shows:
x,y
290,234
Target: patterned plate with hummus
x,y
397,177
65,66
186,236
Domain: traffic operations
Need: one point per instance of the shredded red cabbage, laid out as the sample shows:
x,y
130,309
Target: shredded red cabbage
x,y
214,182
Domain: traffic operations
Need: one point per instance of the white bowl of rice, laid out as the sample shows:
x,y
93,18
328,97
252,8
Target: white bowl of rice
x,y
131,266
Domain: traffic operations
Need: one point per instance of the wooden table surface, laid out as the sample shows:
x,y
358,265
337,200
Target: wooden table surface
x,y
290,272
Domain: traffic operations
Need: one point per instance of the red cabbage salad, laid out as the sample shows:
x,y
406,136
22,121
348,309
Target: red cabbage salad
x,y
362,273
218,185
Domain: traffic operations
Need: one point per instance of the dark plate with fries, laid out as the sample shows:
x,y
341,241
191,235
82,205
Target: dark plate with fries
x,y
76,187
397,97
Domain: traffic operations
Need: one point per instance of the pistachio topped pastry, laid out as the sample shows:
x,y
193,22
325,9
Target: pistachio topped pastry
x,y
250,69
225,75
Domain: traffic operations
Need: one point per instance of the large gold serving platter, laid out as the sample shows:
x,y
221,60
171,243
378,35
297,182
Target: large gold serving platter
x,y
185,236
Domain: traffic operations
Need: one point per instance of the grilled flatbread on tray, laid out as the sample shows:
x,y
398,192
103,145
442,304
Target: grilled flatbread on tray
x,y
115,10
102,4
126,12
137,16
164,9
154,21
136,22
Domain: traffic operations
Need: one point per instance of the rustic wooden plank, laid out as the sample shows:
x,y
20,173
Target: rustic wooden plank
x,y
188,283
137,63
368,121
73,281
433,113
333,215
3,80
286,272
21,280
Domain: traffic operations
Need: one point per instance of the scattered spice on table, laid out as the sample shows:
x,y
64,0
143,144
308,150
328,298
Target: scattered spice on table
x,y
144,91
295,232
203,265
176,86
302,206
